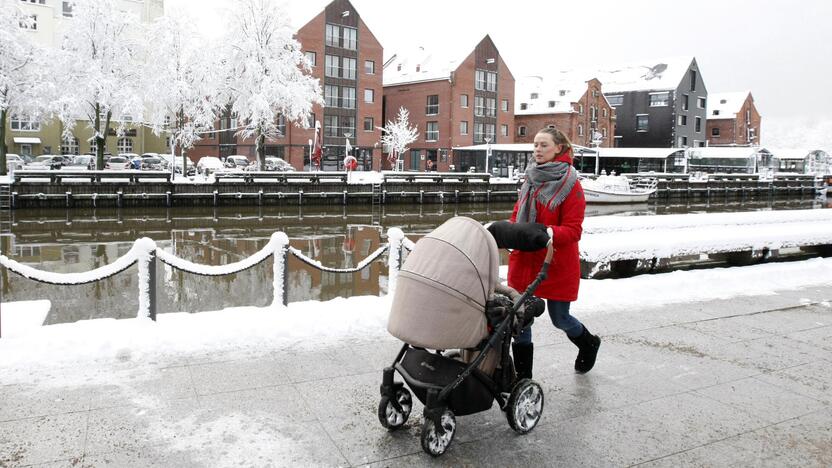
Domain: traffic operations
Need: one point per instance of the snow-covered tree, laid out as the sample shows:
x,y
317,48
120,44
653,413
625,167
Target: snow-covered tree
x,y
183,77
398,134
100,76
267,73
21,65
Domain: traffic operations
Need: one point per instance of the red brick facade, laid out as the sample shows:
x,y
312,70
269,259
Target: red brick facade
x,y
577,125
293,146
741,129
452,112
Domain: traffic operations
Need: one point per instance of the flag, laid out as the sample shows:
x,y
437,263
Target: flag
x,y
317,150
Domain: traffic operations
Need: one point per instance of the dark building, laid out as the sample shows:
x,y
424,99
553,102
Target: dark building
x,y
658,103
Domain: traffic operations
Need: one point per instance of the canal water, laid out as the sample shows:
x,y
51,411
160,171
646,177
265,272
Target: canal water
x,y
338,236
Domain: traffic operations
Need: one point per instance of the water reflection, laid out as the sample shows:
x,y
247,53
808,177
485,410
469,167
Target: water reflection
x,y
337,236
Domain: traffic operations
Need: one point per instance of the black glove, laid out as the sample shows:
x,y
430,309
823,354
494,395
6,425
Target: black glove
x,y
521,236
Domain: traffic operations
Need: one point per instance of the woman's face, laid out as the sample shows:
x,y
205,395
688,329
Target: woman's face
x,y
545,148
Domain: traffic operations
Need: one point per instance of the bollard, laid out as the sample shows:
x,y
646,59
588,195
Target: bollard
x,y
456,196
216,198
69,199
300,197
151,286
345,197
14,200
119,198
260,197
421,196
285,298
168,200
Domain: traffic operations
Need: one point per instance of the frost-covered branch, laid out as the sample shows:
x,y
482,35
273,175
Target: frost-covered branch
x,y
396,136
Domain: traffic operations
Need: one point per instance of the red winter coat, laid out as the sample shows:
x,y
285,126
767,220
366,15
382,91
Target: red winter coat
x,y
566,221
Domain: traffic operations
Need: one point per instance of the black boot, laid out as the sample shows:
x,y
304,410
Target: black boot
x,y
588,345
523,359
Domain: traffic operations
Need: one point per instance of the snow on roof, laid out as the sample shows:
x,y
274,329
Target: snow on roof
x,y
726,151
725,105
647,75
645,153
517,147
792,153
553,94
420,64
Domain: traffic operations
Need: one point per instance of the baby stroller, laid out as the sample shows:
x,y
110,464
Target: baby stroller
x,y
457,322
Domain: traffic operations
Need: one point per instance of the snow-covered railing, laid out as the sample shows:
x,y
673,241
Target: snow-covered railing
x,y
144,252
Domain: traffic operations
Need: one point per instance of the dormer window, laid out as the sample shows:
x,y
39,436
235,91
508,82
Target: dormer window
x,y
523,106
534,96
562,92
716,112
723,101
551,103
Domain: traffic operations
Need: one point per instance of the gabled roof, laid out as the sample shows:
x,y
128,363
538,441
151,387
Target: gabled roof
x,y
418,64
645,75
555,94
725,105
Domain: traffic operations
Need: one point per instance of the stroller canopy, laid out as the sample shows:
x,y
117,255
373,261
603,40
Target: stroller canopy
x,y
443,287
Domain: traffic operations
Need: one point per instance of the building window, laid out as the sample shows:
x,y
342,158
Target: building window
x,y
32,24
748,116
463,127
368,124
432,131
311,122
534,96
580,130
333,35
715,131
504,130
641,122
125,145
331,96
523,106
432,105
491,107
369,96
581,109
281,125
659,99
350,38
333,67
504,105
311,57
348,97
683,141
37,2
683,120
604,112
593,113
604,132
463,100
348,68
369,67
479,80
700,144
67,9
693,80
616,100
70,146
491,81
24,124
716,112
685,102
415,158
697,124
521,130
551,103
331,125
479,106
700,102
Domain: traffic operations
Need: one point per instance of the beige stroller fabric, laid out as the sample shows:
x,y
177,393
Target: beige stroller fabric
x,y
443,287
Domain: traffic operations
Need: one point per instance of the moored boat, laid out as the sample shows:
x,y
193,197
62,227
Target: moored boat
x,y
615,189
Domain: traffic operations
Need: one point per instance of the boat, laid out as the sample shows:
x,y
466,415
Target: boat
x,y
616,189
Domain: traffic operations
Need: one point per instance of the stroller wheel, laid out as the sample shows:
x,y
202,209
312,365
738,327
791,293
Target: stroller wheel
x,y
393,414
525,405
434,442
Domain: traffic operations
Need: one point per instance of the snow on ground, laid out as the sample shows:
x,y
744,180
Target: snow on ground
x,y
314,324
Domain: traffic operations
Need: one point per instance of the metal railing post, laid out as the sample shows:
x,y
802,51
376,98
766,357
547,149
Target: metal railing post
x,y
151,286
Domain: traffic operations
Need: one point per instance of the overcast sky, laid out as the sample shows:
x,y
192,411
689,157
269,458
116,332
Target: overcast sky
x,y
780,50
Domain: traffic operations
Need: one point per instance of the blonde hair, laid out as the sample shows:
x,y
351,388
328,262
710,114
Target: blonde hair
x,y
558,137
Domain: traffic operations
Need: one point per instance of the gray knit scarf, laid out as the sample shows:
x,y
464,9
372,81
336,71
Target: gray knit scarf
x,y
549,183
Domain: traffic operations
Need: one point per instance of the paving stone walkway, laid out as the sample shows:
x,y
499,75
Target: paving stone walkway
x,y
740,382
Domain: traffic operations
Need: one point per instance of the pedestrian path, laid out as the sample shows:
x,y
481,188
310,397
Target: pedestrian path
x,y
739,382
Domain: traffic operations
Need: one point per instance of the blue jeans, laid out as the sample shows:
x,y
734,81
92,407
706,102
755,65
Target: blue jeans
x,y
559,313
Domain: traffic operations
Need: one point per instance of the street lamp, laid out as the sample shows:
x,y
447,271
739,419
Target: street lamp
x,y
487,152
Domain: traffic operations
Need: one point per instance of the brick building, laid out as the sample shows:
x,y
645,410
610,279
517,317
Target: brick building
x,y
454,98
733,119
575,106
347,60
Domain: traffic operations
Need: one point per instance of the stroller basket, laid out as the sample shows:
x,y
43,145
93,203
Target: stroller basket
x,y
423,370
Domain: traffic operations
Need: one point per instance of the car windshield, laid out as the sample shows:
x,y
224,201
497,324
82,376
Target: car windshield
x,y
43,159
152,160
117,159
81,160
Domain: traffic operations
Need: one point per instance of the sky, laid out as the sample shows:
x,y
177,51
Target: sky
x,y
775,48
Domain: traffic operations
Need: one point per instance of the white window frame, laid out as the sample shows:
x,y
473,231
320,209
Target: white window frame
x,y
463,101
615,100
701,102
660,99
463,127
125,145
504,130
521,130
432,131
369,95
19,123
647,126
372,67
311,57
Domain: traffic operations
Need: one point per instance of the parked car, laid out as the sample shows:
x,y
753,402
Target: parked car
x,y
117,163
14,162
82,162
209,164
273,163
153,164
236,161
46,162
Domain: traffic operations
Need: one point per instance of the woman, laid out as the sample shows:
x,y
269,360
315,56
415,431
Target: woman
x,y
552,195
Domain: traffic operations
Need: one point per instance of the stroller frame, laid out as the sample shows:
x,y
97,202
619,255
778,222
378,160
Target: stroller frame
x,y
438,418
